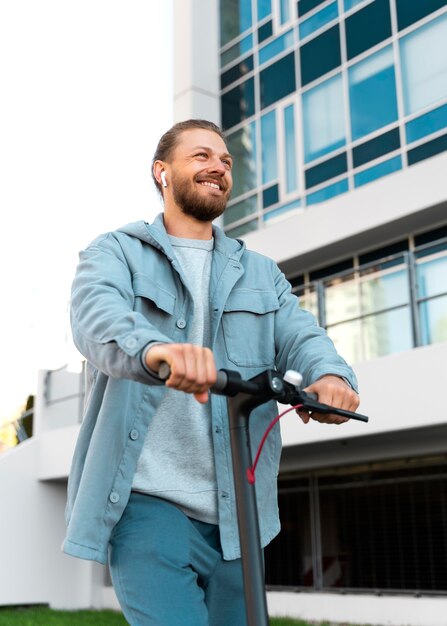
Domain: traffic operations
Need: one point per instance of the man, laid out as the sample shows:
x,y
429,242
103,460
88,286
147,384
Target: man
x,y
151,484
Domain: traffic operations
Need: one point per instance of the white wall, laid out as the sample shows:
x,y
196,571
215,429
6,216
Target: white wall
x,y
196,69
33,568
360,608
391,388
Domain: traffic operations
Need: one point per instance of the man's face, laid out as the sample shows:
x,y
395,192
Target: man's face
x,y
201,174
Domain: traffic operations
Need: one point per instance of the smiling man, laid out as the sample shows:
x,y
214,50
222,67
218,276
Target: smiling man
x,y
151,487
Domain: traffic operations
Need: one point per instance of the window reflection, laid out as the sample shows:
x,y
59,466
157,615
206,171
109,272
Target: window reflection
x,y
424,65
323,118
242,145
432,276
308,300
433,315
235,18
386,333
342,299
382,289
347,338
372,93
268,147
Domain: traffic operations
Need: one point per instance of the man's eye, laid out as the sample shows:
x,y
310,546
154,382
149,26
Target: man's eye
x,y
227,163
202,154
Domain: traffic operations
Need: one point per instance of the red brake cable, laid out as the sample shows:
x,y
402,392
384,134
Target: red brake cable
x,y
251,470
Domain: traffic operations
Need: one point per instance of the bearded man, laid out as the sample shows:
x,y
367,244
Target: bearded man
x,y
151,487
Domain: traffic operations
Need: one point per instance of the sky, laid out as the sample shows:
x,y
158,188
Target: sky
x,y
85,94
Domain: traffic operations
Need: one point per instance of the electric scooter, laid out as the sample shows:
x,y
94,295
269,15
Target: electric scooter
x,y
243,397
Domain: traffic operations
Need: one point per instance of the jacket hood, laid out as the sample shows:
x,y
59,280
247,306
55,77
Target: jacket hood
x,y
155,234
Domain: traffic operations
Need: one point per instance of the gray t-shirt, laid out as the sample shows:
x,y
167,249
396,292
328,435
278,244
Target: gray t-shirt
x,y
177,459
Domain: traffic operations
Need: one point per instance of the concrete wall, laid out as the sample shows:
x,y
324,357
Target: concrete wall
x,y
360,608
33,479
391,388
196,75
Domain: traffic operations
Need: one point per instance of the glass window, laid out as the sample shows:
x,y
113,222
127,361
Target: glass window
x,y
308,300
387,333
427,150
264,8
290,149
349,4
424,65
367,27
383,289
243,229
268,147
326,170
243,46
275,47
347,338
304,6
277,80
409,12
342,299
285,208
432,276
318,20
239,210
320,55
426,124
374,148
238,104
265,31
377,171
372,93
323,119
242,145
433,315
284,11
328,192
237,71
235,18
270,196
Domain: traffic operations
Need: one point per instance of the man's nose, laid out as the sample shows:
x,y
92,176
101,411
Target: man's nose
x,y
217,166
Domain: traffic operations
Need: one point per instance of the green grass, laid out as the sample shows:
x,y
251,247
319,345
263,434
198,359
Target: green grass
x,y
42,616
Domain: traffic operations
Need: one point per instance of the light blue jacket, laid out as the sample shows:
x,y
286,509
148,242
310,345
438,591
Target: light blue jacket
x,y
128,291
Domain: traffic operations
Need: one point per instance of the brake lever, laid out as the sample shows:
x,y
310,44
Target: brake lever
x,y
311,404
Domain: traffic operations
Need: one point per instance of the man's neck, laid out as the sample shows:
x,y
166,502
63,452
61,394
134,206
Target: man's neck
x,y
186,226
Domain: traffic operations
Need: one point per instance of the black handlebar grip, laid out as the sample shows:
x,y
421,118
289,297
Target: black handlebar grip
x,y
164,371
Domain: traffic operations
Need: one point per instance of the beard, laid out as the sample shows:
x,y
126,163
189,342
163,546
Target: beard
x,y
191,202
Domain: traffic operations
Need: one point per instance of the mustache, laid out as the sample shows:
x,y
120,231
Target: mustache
x,y
213,179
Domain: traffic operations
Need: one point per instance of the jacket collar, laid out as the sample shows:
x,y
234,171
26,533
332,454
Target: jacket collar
x,y
156,235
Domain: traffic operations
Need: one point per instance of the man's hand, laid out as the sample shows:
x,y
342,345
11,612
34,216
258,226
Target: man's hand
x,y
334,391
192,367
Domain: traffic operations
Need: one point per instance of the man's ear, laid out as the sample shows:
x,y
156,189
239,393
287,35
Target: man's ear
x,y
160,173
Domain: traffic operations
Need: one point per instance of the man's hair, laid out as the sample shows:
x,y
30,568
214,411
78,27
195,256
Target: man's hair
x,y
169,140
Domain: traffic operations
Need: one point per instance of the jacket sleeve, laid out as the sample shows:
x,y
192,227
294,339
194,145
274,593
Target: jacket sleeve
x,y
301,344
106,330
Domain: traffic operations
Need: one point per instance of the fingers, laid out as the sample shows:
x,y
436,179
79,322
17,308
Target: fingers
x,y
336,392
192,367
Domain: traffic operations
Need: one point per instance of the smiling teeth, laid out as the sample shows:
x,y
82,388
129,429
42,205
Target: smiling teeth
x,y
208,184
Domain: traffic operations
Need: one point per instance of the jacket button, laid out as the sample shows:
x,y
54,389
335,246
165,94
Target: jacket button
x,y
181,323
134,434
114,497
131,342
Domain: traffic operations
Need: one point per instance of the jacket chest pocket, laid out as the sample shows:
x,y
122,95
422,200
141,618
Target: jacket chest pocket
x,y
248,324
152,300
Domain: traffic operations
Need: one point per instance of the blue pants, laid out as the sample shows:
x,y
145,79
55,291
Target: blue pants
x,y
167,569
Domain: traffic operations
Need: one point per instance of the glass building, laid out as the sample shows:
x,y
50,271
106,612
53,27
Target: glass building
x,y
318,98
336,114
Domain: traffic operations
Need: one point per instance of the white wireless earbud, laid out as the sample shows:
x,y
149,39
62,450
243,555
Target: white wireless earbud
x,y
163,178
